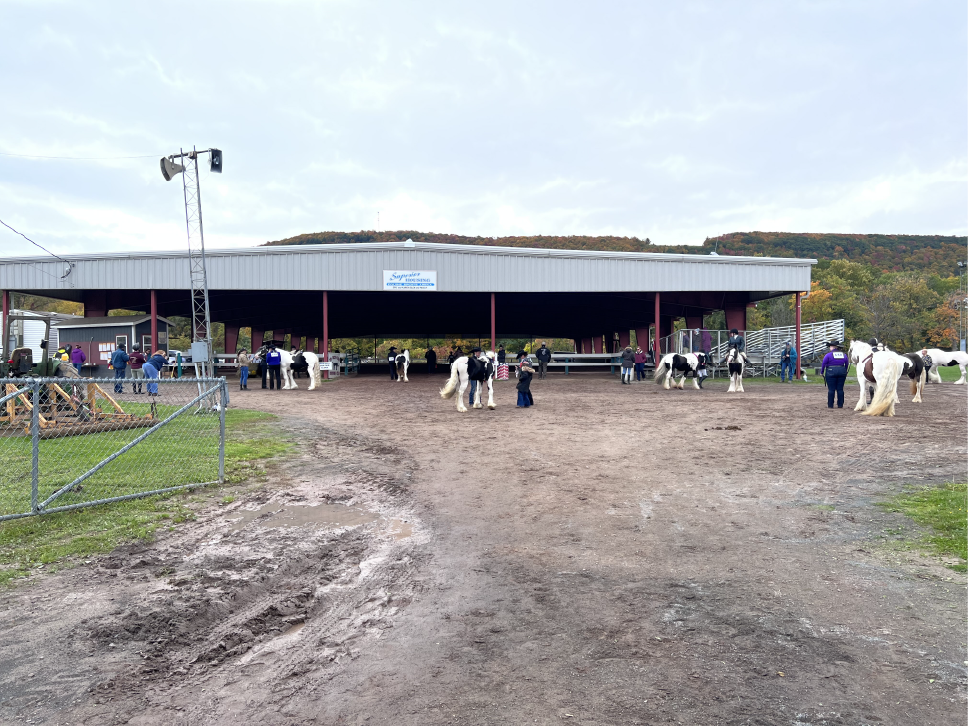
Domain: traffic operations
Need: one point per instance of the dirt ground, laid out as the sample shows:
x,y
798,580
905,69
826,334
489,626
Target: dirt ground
x,y
614,555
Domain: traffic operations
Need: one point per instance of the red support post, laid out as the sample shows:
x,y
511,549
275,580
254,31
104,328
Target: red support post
x,y
656,354
493,324
154,322
325,350
624,339
295,341
597,344
257,338
799,353
231,338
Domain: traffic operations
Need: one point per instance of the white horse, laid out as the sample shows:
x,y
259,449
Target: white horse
x,y
945,358
857,353
912,365
884,367
459,375
665,372
736,365
403,364
286,367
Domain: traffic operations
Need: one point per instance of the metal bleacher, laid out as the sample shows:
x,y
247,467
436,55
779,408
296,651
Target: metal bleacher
x,y
763,347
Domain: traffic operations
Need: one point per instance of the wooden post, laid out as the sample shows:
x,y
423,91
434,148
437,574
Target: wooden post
x,y
325,350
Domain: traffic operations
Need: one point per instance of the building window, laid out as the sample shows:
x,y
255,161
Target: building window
x,y
146,344
120,340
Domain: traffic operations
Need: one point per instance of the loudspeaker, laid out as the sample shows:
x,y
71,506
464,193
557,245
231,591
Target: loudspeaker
x,y
169,168
216,161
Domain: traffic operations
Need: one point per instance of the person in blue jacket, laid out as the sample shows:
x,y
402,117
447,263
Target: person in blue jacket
x,y
834,370
152,369
119,361
274,367
788,361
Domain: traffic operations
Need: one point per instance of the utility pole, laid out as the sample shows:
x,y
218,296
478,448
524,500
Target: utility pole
x,y
202,353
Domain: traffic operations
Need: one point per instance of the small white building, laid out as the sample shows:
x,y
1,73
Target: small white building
x,y
29,333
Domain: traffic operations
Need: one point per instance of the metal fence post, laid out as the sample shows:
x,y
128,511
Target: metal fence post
x,y
221,431
35,442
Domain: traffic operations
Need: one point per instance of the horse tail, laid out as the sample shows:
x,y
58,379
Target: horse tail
x,y
662,371
450,388
884,395
314,371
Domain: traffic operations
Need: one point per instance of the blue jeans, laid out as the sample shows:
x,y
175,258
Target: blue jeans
x,y
473,387
640,371
835,385
244,376
785,365
524,400
119,373
151,373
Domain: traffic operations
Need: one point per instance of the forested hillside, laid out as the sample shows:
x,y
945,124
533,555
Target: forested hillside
x,y
904,289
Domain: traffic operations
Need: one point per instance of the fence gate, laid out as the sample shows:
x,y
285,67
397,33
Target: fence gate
x,y
67,443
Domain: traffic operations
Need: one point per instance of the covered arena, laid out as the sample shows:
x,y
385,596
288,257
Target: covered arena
x,y
414,289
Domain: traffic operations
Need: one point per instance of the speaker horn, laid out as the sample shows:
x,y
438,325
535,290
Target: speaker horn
x,y
169,168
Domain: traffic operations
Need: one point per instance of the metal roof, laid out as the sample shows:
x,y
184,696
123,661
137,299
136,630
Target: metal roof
x,y
108,321
459,268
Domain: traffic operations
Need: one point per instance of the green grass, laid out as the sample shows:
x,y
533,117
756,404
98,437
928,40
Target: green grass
x,y
943,511
62,538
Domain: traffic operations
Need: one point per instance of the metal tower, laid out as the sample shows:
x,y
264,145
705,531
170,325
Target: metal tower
x,y
201,318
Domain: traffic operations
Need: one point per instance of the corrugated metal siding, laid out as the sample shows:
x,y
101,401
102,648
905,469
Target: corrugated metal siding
x,y
458,270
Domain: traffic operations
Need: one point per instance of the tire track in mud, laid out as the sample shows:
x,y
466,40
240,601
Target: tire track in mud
x,y
213,616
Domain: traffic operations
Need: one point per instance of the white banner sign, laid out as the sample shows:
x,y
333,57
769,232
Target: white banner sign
x,y
409,279
325,366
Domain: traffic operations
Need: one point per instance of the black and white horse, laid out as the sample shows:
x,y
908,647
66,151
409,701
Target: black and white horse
x,y
940,358
665,372
403,364
736,365
310,360
464,370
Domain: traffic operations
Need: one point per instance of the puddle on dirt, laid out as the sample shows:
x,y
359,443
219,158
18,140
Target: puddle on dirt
x,y
276,514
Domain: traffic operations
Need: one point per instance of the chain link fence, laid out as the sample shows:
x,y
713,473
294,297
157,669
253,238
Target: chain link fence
x,y
67,443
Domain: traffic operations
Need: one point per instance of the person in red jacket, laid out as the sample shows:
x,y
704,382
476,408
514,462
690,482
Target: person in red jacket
x,y
135,362
640,358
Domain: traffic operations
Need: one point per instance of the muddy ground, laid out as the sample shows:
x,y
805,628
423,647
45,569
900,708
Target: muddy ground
x,y
614,555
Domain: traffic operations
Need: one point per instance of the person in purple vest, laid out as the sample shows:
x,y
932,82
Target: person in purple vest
x,y
834,370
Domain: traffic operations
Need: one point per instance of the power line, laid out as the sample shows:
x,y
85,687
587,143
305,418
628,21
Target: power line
x,y
69,265
79,158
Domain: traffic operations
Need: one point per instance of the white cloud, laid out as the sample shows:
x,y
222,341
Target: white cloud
x,y
674,123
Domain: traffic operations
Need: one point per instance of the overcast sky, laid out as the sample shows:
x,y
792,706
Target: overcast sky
x,y
673,121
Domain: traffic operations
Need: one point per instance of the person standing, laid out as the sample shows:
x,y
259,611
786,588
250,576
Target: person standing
x,y
392,360
834,370
119,361
244,360
502,355
544,358
273,365
135,362
788,360
701,373
525,374
474,364
628,363
525,362
640,359
78,358
431,357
